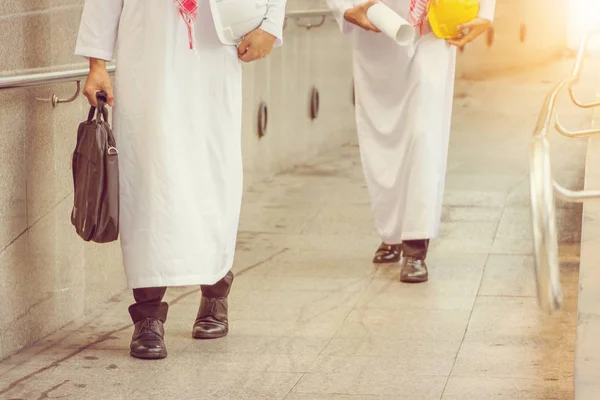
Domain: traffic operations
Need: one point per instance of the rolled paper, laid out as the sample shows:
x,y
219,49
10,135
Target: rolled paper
x,y
391,24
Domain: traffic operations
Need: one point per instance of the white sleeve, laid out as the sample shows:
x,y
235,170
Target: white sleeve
x,y
339,8
487,9
98,29
275,19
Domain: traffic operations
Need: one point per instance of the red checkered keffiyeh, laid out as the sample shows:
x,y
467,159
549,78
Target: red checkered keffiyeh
x,y
418,12
189,11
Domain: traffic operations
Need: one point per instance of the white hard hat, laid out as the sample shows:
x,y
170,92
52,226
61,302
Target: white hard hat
x,y
234,19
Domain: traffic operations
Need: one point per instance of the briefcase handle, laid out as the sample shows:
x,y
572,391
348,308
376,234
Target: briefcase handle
x,y
102,112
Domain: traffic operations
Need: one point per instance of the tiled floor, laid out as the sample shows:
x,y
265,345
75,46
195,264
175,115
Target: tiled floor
x,y
313,319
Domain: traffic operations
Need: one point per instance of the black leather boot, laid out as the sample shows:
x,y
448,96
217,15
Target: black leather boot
x,y
148,340
212,321
414,270
387,253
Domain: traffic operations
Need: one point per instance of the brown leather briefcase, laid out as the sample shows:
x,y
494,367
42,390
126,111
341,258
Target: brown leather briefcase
x,y
95,212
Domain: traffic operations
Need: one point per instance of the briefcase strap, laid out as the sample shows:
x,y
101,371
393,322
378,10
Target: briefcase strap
x,y
101,112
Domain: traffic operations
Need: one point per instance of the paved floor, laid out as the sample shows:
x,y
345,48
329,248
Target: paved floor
x,y
313,319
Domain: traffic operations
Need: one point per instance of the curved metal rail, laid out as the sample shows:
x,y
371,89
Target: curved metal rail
x,y
544,188
576,73
580,103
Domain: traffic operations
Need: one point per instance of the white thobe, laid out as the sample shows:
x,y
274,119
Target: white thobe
x,y
177,122
403,113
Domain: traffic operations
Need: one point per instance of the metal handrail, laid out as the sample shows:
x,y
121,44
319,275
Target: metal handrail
x,y
543,188
579,103
577,71
576,134
574,196
566,194
47,78
77,75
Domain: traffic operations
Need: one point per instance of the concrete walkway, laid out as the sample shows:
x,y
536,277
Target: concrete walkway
x,y
313,319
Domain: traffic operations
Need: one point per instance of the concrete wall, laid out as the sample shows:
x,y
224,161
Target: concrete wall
x,y
48,276
318,58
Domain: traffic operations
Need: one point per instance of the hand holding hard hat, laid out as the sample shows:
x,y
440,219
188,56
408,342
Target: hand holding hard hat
x,y
470,31
446,16
256,45
454,20
238,23
234,19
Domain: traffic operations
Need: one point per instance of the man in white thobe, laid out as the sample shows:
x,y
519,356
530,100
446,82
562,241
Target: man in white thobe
x,y
403,112
177,121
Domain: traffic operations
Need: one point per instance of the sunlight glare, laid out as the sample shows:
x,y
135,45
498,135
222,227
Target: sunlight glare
x,y
583,15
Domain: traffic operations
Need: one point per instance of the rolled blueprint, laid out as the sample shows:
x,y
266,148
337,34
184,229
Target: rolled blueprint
x,y
391,24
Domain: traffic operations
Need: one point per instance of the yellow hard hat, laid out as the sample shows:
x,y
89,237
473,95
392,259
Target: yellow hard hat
x,y
446,15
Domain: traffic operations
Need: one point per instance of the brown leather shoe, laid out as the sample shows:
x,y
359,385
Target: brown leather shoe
x,y
148,340
414,270
212,321
387,253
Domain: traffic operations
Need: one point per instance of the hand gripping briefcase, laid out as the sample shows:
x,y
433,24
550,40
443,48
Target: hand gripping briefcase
x,y
95,212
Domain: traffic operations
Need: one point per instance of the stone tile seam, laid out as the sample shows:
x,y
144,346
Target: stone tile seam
x,y
107,335
307,372
487,260
29,227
